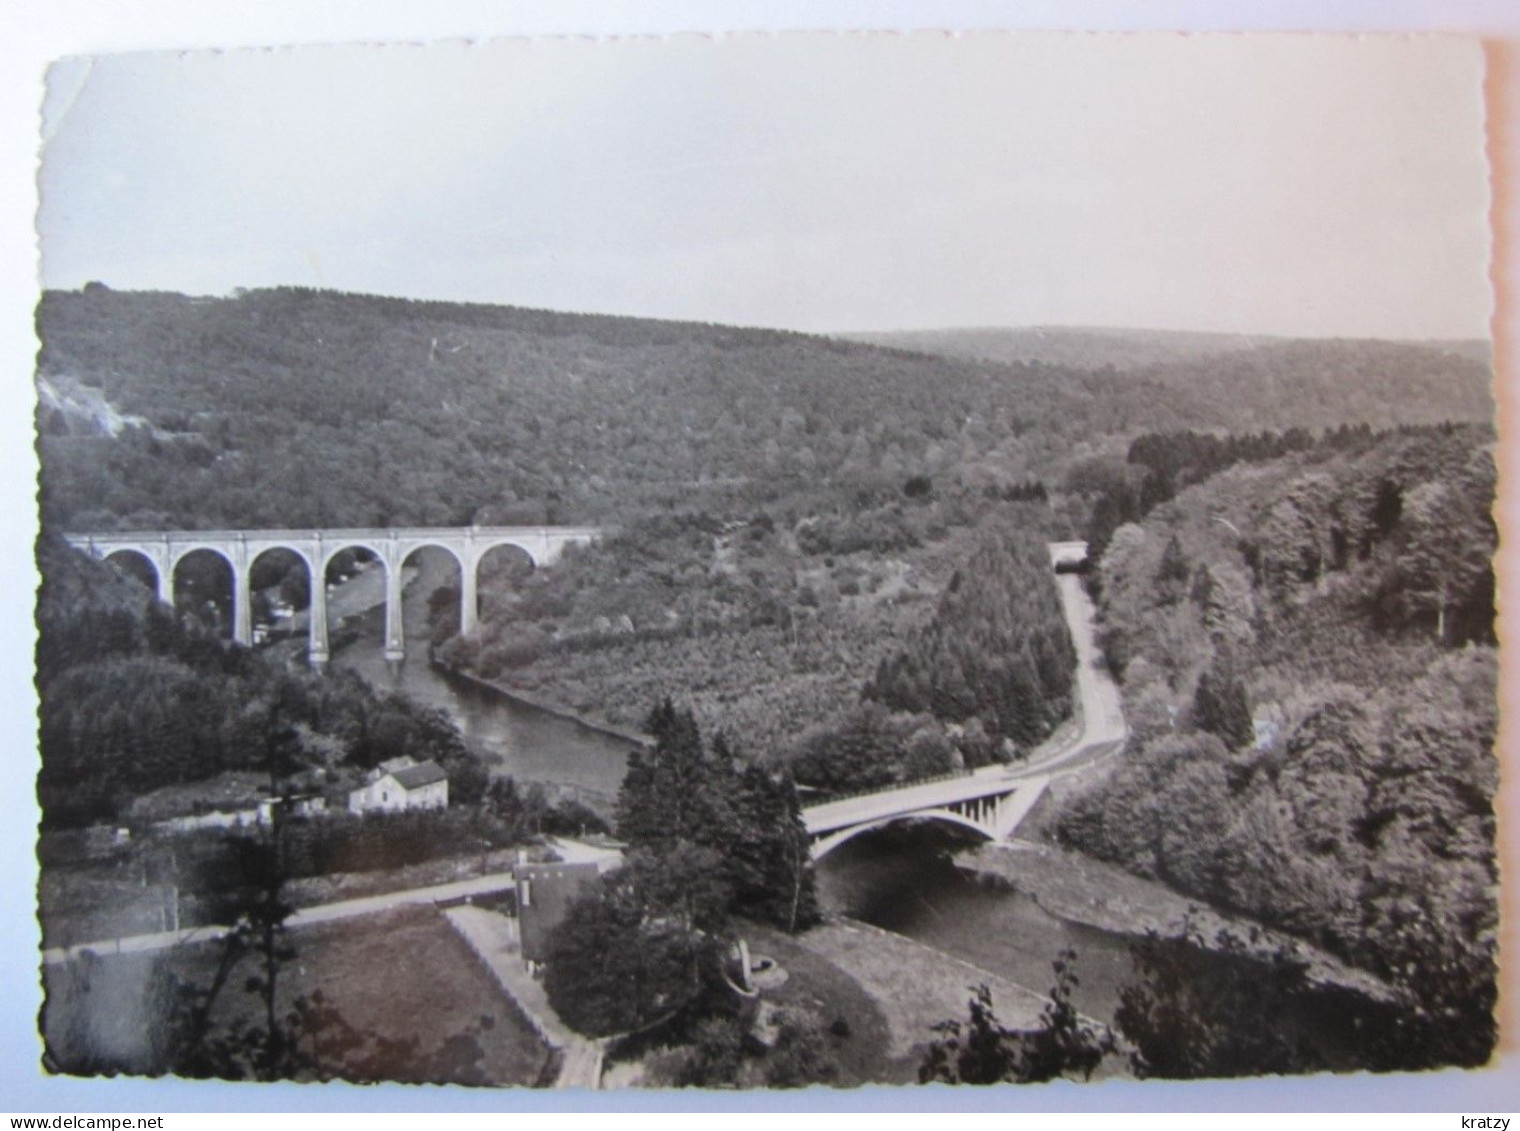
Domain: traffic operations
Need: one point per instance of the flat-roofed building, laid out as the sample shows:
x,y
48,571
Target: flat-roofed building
x,y
544,895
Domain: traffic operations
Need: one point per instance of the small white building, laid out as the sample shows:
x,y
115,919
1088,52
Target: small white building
x,y
396,786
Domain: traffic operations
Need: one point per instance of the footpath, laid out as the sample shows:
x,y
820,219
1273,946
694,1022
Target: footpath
x,y
494,940
306,917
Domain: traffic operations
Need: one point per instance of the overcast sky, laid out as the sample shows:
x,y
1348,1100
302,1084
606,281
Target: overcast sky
x,y
1285,184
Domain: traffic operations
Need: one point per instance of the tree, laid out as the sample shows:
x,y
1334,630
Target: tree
x,y
1193,1014
1446,562
1223,592
1220,707
1172,573
308,1039
918,487
802,1054
644,948
679,883
981,1050
679,797
1294,532
675,790
770,859
716,1055
859,753
705,840
997,649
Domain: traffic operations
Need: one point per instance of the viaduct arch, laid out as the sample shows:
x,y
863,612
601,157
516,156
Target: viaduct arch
x,y
165,549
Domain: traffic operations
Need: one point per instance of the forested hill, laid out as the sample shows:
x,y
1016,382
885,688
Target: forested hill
x,y
300,407
1268,382
1307,653
1384,384
1083,347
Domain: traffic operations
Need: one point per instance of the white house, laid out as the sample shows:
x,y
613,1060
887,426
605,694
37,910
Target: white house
x,y
402,784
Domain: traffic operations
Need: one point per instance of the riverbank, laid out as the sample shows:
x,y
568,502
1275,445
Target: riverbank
x,y
917,987
914,985
1078,889
363,597
539,703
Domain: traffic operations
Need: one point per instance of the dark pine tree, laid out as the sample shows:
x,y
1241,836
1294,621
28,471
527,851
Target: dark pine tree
x,y
772,868
1220,707
1172,574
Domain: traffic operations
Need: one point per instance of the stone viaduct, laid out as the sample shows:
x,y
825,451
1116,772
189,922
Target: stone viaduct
x,y
164,550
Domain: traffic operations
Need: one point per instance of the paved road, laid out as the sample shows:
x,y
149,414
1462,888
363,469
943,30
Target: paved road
x,y
328,912
1098,731
1098,701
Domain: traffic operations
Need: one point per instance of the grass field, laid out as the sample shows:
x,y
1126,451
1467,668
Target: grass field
x,y
817,985
402,978
85,904
915,986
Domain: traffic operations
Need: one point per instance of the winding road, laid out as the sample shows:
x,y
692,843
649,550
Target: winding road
x,y
1101,727
1096,732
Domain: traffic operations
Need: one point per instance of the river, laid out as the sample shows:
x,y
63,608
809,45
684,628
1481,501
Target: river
x,y
901,879
513,737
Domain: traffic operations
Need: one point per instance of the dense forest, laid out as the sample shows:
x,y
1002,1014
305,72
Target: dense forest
x,y
1257,372
986,679
834,549
788,514
772,630
997,651
1309,668
295,407
1158,465
134,700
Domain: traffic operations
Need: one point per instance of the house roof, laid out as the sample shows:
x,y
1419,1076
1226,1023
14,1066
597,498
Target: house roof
x,y
415,777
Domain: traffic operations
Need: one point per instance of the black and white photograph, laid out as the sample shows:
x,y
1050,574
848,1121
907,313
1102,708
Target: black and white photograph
x,y
767,561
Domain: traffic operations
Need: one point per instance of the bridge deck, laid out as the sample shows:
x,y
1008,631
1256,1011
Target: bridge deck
x,y
336,534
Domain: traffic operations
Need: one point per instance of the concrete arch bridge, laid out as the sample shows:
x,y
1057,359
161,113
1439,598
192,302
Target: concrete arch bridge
x,y
990,803
165,549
